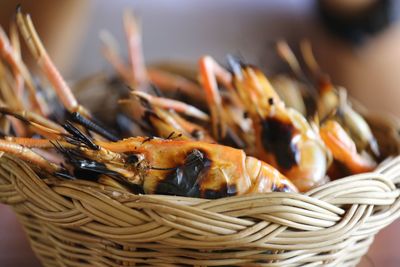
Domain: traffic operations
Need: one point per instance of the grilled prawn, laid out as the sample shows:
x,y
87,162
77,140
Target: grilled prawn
x,y
348,160
333,103
199,169
161,166
284,138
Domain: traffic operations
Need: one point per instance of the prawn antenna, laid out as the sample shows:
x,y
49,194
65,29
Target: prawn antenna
x,y
93,126
83,166
78,137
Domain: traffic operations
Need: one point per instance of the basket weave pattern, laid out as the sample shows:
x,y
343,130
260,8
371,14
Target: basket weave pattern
x,y
82,223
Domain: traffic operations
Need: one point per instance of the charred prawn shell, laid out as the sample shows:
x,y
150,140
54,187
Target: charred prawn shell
x,y
185,180
277,137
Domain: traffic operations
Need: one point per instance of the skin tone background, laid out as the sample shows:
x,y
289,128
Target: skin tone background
x,y
183,31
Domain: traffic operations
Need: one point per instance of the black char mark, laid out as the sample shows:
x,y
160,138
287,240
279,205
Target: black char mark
x,y
224,191
338,170
185,180
280,188
277,139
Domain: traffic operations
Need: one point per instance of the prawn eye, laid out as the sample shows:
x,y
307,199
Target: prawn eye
x,y
270,101
134,158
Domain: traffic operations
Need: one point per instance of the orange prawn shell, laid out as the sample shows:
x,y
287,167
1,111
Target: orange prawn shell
x,y
344,149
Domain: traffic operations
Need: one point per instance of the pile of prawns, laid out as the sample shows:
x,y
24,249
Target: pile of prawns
x,y
189,150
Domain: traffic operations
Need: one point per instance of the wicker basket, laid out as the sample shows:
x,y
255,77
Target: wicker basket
x,y
81,223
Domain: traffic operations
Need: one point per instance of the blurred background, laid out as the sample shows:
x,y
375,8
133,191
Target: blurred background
x,y
356,42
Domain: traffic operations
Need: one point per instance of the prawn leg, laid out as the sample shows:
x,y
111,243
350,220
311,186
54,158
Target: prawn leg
x,y
38,51
175,105
8,95
27,154
133,36
286,53
41,124
195,131
211,72
164,122
170,82
37,143
110,52
15,44
309,58
11,55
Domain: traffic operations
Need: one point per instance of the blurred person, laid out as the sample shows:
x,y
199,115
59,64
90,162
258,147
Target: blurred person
x,y
361,51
